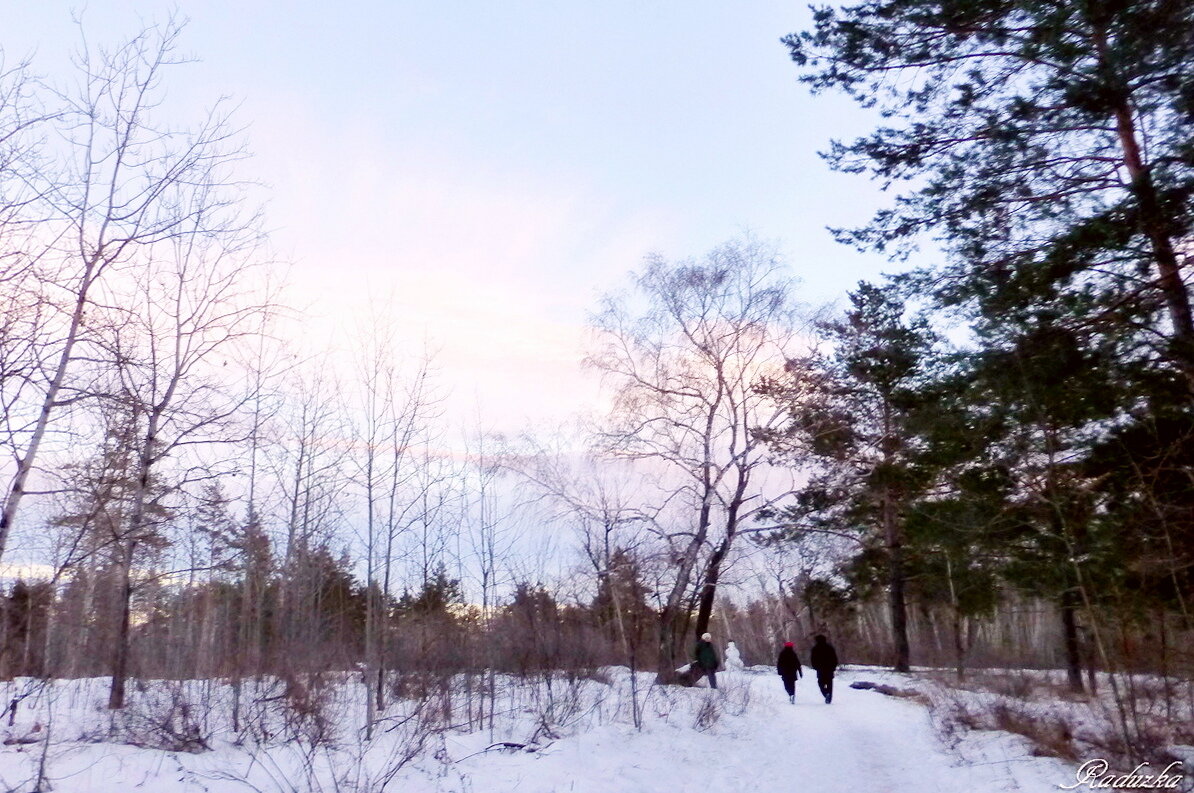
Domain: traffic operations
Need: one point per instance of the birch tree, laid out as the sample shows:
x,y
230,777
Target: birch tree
x,y
683,355
120,183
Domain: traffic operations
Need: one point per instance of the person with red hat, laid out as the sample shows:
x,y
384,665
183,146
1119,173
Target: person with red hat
x,y
789,670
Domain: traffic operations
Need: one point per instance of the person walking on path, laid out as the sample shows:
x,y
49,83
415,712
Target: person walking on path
x,y
706,658
788,666
823,658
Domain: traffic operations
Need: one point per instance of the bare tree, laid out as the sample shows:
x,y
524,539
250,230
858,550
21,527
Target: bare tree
x,y
395,471
26,318
491,536
121,184
310,467
684,356
594,494
189,314
267,364
597,498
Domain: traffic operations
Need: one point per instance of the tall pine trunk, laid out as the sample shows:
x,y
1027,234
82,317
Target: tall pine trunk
x,y
1073,654
1155,223
896,598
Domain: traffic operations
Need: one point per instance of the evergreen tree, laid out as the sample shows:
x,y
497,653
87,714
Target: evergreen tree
x,y
436,597
23,618
1049,143
620,606
1012,440
856,413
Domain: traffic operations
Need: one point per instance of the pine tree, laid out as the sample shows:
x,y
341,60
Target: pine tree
x,y
1048,146
855,414
1049,392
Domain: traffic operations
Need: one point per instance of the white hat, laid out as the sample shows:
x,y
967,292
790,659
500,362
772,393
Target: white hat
x,y
707,637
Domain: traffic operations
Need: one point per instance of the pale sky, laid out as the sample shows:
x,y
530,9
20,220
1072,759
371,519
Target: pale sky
x,y
498,166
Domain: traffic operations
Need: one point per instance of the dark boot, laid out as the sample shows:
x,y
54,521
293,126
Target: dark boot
x,y
825,683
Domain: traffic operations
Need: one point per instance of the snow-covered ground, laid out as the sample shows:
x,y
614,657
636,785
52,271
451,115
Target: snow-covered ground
x,y
579,740
862,742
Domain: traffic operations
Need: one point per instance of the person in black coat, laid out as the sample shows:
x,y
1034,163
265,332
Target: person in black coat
x,y
706,659
823,658
788,667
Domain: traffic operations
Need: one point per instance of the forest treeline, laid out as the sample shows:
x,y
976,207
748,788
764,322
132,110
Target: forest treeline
x,y
985,459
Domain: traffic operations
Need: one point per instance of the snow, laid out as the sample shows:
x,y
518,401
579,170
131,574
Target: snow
x,y
581,737
862,742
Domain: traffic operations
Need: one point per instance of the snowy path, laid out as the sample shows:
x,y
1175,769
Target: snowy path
x,y
863,742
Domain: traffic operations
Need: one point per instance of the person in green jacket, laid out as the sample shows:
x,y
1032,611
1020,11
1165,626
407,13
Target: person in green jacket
x,y
706,659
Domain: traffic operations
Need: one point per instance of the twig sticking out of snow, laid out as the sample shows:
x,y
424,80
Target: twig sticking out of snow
x,y
509,746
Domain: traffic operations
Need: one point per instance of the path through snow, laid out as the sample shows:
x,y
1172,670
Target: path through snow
x,y
863,743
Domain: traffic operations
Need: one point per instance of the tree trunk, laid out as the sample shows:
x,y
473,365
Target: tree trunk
x,y
808,604
371,676
1153,224
121,659
896,599
1073,655
25,463
959,647
956,620
669,645
673,617
1156,226
136,525
709,589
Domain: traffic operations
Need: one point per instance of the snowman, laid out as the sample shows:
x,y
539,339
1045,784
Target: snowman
x,y
733,659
